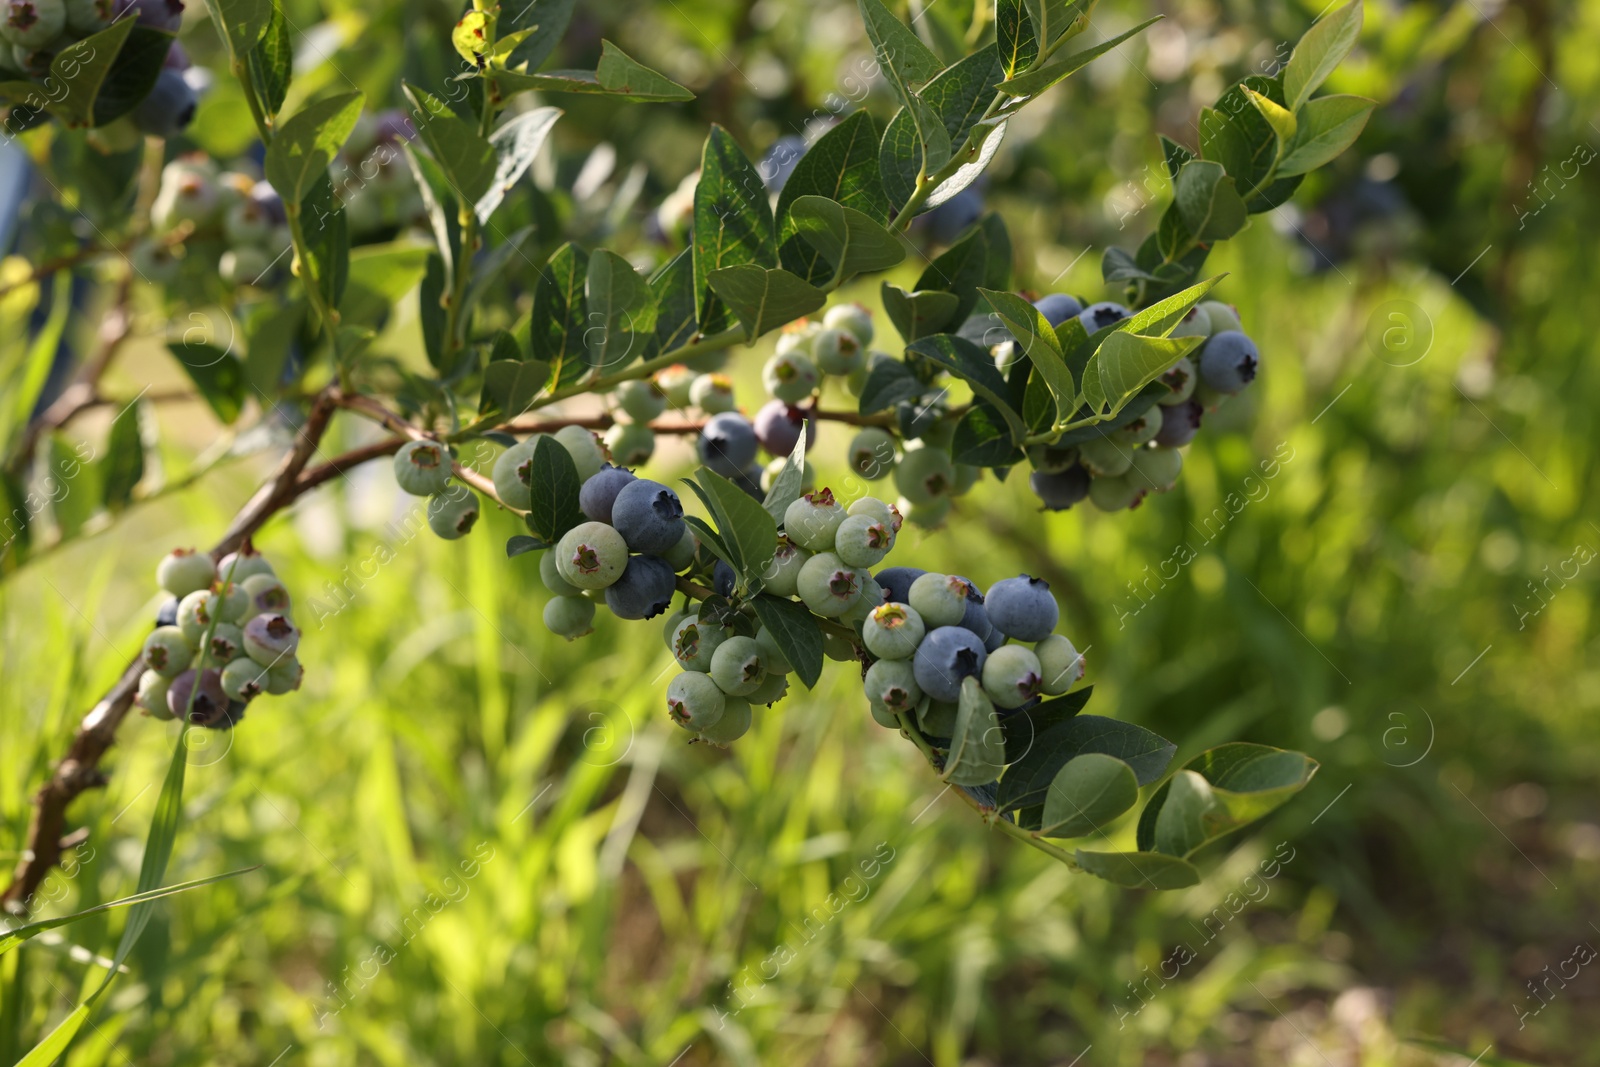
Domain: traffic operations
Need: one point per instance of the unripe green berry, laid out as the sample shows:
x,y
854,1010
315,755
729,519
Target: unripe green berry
x,y
871,453
838,647
891,686
1197,323
1060,666
266,593
244,679
712,393
694,702
588,455
1180,378
880,510
571,617
1105,457
1140,431
550,574
152,696
893,631
836,352
284,676
226,644
631,444
734,723
694,643
1220,316
453,513
422,468
852,318
925,475
863,540
828,586
167,651
196,612
643,400
681,555
1011,676
736,666
790,377
184,570
927,516
872,596
1114,494
940,599
937,719
782,575
811,521
513,474
670,626
1156,468
674,383
772,655
591,555
245,265
773,688
236,603
246,563
32,23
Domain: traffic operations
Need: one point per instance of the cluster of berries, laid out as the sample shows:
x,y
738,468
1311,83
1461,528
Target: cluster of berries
x,y
223,638
371,177
1115,470
33,31
231,214
423,468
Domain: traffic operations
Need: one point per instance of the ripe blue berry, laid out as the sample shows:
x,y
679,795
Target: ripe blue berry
x,y
631,444
591,555
1179,424
828,586
925,475
513,474
893,631
167,613
712,393
210,701
946,656
243,679
728,444
152,696
270,639
644,590
694,642
453,513
423,467
169,107
160,14
896,582
891,686
1061,490
734,724
1023,608
723,578
976,619
772,689
648,515
1114,494
736,666
871,453
853,319
1011,676
598,494
778,427
1099,316
643,400
782,575
995,639
585,449
941,599
694,701
571,617
1180,378
1229,361
1060,666
812,521
184,570
1105,457
167,651
790,377
1156,468
836,352
1058,308
863,541
1220,316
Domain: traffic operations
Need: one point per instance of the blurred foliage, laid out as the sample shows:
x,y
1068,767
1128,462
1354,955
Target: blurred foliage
x,y
557,878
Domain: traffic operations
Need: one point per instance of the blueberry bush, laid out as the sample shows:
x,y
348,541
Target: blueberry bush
x,y
554,368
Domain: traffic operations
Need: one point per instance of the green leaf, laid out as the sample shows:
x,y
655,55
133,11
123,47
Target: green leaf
x,y
78,71
982,438
959,97
1328,126
673,294
977,746
469,162
900,51
1028,780
849,241
244,22
890,382
522,544
553,490
1086,794
131,77
764,299
618,301
1024,728
972,365
960,269
1323,48
560,315
325,259
1036,82
509,386
732,221
1038,339
1236,784
218,374
842,167
1127,362
1139,870
747,531
1207,201
122,466
1278,117
796,632
789,483
1159,319
622,75
1051,19
269,63
306,143
918,314
380,276
1014,36
708,535
1235,134
1175,155
16,935
55,1043
541,24
514,145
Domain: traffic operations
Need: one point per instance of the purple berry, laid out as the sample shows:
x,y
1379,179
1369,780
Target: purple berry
x,y
599,494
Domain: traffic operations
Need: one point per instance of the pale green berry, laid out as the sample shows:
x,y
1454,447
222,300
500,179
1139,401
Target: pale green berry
x,y
245,563
880,510
838,647
694,643
736,666
812,520
773,688
226,644
1052,459
871,453
891,686
184,570
1220,316
588,455
167,651
940,599
1197,323
1180,378
856,382
790,377
591,555
422,468
694,702
236,603
712,393
769,474
771,655
550,574
836,352
245,265
872,596
925,475
853,318
513,474
266,593
152,695
681,555
1011,676
670,627
1115,494
284,676
674,383
734,723
893,631
642,399
631,444
1156,468
571,617
1140,431
883,716
244,679
1105,457
863,540
196,612
782,575
966,477
1060,665
828,586
453,513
